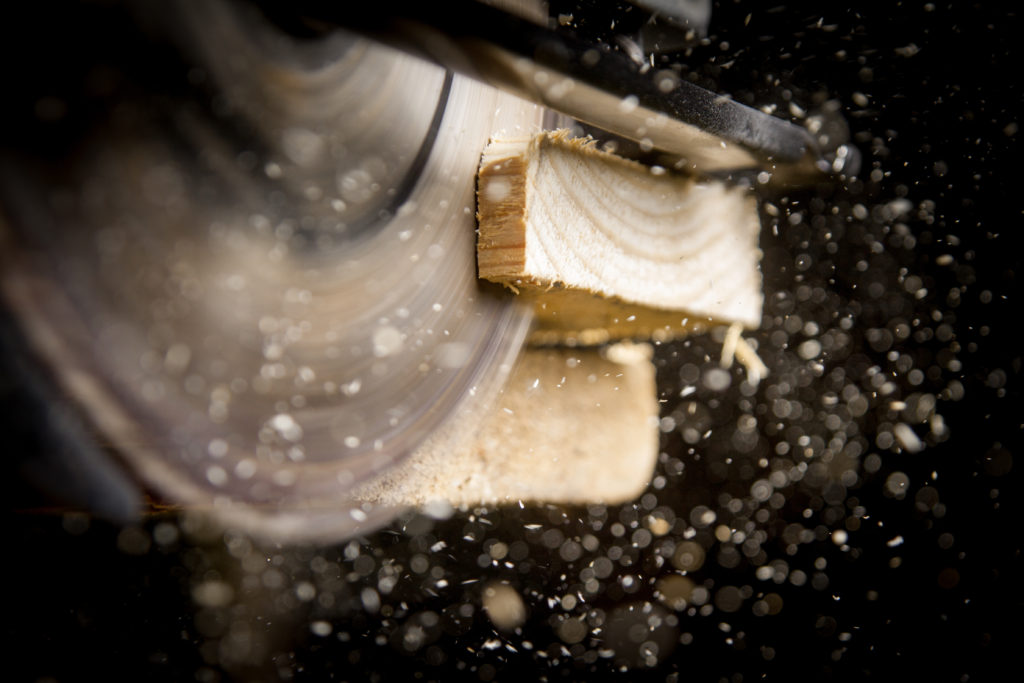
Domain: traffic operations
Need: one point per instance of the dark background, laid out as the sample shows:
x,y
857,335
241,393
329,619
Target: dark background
x,y
932,97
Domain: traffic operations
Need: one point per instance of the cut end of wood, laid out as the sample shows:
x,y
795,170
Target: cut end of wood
x,y
608,248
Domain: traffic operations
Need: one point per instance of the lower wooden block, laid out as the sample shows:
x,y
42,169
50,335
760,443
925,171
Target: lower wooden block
x,y
572,426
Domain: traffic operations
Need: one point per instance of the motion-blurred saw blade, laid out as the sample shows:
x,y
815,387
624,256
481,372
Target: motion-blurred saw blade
x,y
253,263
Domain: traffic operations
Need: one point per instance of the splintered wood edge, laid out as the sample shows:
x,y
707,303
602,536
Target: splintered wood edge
x,y
571,426
606,248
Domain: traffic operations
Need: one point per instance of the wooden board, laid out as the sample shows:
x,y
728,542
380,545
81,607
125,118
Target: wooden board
x,y
609,248
572,426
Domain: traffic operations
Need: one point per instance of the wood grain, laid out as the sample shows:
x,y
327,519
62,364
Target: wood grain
x,y
609,248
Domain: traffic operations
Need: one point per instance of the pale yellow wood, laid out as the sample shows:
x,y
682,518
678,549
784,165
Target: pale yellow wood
x,y
735,346
655,253
572,426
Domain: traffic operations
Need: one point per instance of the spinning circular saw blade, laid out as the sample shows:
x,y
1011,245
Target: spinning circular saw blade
x,y
255,269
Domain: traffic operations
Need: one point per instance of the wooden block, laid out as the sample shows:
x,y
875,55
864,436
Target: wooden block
x,y
571,426
609,248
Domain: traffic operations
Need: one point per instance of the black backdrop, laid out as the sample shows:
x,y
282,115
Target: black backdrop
x,y
887,563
